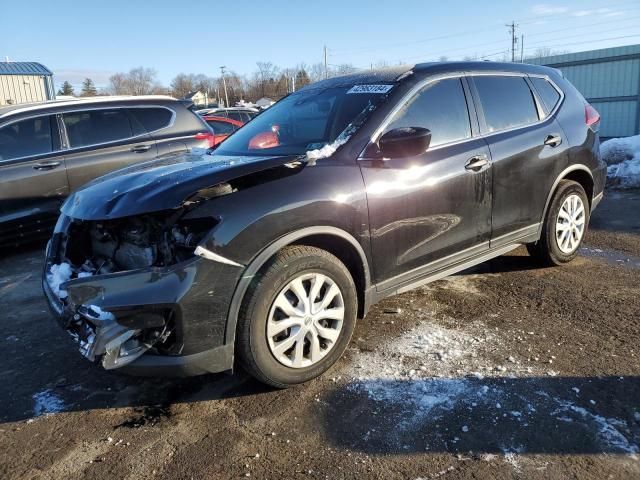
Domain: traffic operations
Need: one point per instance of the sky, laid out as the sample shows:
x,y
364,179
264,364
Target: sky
x,y
77,40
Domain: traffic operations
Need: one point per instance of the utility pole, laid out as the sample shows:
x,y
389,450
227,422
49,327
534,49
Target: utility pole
x,y
224,84
514,40
521,48
326,72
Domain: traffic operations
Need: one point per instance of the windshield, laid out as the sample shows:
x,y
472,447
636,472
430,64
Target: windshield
x,y
307,120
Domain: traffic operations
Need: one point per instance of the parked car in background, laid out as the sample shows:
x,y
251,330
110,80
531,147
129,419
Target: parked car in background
x,y
268,248
50,149
222,127
240,114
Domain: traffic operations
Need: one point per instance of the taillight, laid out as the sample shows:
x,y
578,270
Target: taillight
x,y
591,116
208,136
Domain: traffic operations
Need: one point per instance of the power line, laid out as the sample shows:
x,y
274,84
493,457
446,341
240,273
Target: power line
x,y
617,20
364,49
589,41
578,35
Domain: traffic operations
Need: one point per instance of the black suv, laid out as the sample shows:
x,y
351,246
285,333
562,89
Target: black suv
x,y
343,193
50,149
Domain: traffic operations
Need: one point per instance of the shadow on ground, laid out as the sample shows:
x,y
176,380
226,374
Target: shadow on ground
x,y
555,415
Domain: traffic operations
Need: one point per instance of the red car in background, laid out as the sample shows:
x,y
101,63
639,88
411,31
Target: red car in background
x,y
222,127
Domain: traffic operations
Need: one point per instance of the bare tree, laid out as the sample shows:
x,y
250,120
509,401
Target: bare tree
x,y
118,84
142,80
545,52
316,72
182,84
139,81
343,69
266,74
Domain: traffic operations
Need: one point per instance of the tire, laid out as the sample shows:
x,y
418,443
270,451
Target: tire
x,y
260,351
554,248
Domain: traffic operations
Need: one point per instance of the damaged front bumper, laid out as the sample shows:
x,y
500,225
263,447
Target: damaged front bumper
x,y
151,321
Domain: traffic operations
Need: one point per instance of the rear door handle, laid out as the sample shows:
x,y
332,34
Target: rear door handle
x,y
553,140
46,165
140,148
475,164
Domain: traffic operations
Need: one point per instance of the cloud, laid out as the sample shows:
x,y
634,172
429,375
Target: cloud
x,y
546,9
76,77
606,12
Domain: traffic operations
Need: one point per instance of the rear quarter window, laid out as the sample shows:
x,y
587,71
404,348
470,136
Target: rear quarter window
x,y
507,101
550,96
152,118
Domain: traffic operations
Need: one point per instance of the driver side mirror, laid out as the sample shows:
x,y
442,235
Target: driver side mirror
x,y
404,142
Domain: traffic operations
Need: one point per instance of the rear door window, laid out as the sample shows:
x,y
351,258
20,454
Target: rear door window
x,y
26,138
94,127
550,96
442,108
507,101
152,118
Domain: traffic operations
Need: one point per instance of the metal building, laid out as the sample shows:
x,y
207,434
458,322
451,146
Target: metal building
x,y
609,79
22,82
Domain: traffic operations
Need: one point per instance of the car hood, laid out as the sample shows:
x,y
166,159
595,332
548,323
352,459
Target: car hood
x,y
161,184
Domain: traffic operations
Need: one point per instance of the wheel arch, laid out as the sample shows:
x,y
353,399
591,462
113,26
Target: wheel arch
x,y
334,240
578,173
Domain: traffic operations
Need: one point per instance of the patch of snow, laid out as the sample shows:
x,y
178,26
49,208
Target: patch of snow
x,y
512,459
100,314
608,430
46,402
326,151
58,274
623,157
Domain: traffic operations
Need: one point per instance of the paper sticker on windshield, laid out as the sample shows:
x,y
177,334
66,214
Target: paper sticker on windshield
x,y
370,89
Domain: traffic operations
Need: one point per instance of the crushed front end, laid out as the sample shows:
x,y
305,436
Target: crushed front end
x,y
133,294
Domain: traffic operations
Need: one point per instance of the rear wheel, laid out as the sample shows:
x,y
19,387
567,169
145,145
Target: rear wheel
x,y
297,317
564,227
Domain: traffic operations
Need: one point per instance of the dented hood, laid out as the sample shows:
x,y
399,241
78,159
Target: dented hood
x,y
161,184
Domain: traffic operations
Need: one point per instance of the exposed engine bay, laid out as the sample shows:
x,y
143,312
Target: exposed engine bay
x,y
132,243
90,248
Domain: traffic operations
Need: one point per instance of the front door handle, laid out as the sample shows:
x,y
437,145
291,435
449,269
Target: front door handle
x,y
553,140
477,163
46,165
140,148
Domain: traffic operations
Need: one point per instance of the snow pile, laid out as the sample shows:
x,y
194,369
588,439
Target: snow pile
x,y
623,158
326,151
46,402
58,274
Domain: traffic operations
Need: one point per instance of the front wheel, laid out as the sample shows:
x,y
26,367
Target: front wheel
x,y
297,317
564,227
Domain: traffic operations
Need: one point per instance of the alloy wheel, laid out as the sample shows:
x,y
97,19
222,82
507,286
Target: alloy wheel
x,y
570,224
305,320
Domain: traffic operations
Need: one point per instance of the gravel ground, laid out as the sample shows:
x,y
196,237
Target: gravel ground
x,y
505,371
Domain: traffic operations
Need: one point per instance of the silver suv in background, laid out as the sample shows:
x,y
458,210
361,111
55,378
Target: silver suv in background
x,y
50,149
